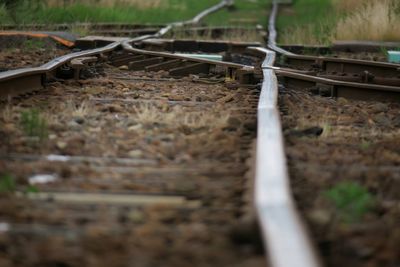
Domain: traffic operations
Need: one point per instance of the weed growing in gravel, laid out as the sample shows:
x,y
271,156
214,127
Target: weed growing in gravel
x,y
365,145
82,110
149,114
33,124
7,113
7,184
351,200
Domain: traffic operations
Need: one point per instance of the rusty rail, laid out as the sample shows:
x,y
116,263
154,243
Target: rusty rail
x,y
337,77
28,80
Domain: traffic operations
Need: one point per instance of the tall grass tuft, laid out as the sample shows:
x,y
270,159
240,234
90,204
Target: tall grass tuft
x,y
348,6
373,20
309,34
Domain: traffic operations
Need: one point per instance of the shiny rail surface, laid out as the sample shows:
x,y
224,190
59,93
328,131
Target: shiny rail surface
x,y
285,236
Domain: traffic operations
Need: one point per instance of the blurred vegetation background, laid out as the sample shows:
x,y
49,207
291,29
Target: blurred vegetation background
x,y
129,11
317,22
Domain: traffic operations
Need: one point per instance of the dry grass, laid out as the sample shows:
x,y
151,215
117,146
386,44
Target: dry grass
x,y
8,113
307,35
177,116
350,5
374,20
84,109
141,4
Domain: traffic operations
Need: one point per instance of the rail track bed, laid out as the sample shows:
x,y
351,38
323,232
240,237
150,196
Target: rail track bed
x,y
29,55
343,158
164,187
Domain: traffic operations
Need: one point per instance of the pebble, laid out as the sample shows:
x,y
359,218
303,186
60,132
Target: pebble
x,y
235,122
312,131
135,127
136,216
135,153
319,216
112,109
79,119
342,101
61,145
379,107
396,121
124,67
251,126
73,125
185,129
176,98
382,120
42,179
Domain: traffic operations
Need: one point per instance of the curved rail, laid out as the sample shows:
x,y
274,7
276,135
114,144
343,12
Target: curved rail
x,y
15,82
272,30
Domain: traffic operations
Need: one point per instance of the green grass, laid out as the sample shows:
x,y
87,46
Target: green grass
x,y
311,21
177,10
245,13
304,12
7,184
351,200
33,124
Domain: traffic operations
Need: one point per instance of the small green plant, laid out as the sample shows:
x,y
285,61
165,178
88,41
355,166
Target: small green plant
x,y
365,145
7,184
383,50
33,124
31,44
31,189
351,200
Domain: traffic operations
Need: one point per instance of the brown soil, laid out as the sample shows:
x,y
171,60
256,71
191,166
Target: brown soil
x,y
138,134
32,54
330,141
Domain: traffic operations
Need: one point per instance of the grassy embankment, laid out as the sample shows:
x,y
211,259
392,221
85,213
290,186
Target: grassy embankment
x,y
324,21
245,13
248,12
133,11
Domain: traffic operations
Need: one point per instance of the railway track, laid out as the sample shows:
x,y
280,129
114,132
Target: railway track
x,y
336,77
195,152
164,187
170,173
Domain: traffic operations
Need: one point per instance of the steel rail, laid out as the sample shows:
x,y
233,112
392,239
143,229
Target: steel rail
x,y
366,80
272,30
335,88
284,234
381,69
129,48
286,238
15,82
